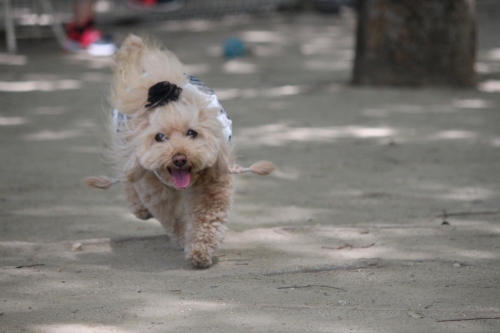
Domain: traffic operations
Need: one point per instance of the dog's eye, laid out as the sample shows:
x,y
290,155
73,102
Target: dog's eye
x,y
192,133
160,137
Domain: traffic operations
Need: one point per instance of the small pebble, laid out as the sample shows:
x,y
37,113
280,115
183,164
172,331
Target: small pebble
x,y
342,302
415,315
456,265
76,247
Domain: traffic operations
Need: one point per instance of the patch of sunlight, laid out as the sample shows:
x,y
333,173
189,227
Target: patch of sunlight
x,y
472,103
368,132
198,25
102,6
441,191
196,69
52,135
36,19
215,51
489,86
476,254
252,214
249,93
257,236
279,134
481,67
69,211
83,123
16,244
10,121
363,252
173,25
318,45
187,25
79,328
24,86
411,253
200,305
419,109
50,111
239,67
454,135
225,94
467,194
495,142
13,59
494,54
263,37
284,91
319,65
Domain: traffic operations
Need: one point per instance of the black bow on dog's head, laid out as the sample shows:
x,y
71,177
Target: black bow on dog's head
x,y
162,93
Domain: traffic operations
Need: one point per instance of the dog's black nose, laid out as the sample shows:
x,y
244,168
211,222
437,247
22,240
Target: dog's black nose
x,y
179,160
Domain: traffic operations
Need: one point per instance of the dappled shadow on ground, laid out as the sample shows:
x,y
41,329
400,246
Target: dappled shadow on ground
x,y
383,209
262,278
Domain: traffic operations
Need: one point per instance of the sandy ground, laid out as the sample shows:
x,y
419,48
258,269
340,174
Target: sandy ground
x,y
383,215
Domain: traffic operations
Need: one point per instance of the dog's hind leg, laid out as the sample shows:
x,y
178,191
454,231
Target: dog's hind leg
x,y
208,207
135,203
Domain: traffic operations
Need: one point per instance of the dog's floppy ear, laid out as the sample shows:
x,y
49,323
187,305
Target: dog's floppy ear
x,y
133,170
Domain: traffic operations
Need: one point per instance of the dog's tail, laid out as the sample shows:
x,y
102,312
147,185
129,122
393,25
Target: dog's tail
x,y
101,182
261,168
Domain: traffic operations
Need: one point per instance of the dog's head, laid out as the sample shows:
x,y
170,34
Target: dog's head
x,y
171,129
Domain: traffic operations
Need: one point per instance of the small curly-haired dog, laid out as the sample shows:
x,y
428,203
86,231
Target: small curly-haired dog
x,y
171,146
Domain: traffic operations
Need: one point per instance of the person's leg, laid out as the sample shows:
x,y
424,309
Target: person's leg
x,y
83,11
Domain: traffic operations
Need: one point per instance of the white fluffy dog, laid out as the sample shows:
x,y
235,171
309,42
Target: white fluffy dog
x,y
171,147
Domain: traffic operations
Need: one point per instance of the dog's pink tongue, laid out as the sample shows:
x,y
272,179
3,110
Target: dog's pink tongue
x,y
181,177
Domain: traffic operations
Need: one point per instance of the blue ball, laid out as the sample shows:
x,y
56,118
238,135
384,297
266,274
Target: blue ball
x,y
234,47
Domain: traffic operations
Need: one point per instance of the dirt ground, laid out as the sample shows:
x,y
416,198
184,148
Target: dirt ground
x,y
383,214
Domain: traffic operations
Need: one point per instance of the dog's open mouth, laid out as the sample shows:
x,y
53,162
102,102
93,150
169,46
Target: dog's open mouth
x,y
180,177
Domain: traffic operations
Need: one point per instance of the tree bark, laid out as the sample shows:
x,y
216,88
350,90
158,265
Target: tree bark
x,y
415,43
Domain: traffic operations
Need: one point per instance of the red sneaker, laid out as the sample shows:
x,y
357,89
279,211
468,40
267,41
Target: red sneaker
x,y
88,39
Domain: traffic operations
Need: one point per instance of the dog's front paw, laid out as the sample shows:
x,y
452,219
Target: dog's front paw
x,y
199,259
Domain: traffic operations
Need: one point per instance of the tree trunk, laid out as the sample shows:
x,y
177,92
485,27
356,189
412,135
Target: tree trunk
x,y
415,43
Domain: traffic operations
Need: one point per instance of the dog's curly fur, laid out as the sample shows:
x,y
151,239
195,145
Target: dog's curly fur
x,y
172,154
194,217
